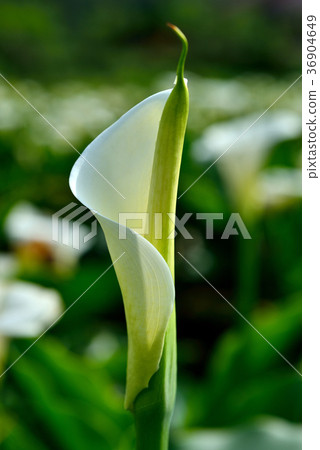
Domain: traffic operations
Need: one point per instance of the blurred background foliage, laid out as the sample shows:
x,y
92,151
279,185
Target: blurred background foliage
x,y
82,65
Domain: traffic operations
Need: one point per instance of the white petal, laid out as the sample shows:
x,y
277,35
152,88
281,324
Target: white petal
x,y
123,155
27,309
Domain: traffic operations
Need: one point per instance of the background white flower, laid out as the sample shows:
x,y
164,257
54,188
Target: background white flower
x,y
27,224
27,309
241,165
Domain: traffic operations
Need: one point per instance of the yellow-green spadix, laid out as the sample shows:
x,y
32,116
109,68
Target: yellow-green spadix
x,y
133,167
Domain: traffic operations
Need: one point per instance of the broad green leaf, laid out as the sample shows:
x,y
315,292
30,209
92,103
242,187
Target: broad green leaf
x,y
75,403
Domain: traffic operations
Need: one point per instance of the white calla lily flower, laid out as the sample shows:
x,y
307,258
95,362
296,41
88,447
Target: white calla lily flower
x,y
27,309
124,155
241,151
27,224
133,167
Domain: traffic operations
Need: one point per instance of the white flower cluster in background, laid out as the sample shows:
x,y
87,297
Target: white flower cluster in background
x,y
76,109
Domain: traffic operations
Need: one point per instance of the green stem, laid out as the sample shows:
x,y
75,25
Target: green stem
x,y
153,407
3,351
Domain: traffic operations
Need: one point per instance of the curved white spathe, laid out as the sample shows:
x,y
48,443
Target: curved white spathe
x,y
112,176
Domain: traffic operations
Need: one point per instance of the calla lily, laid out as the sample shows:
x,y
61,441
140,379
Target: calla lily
x,y
27,309
124,155
138,160
241,165
241,147
27,226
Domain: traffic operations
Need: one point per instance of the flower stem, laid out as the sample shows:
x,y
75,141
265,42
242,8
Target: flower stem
x,y
153,407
